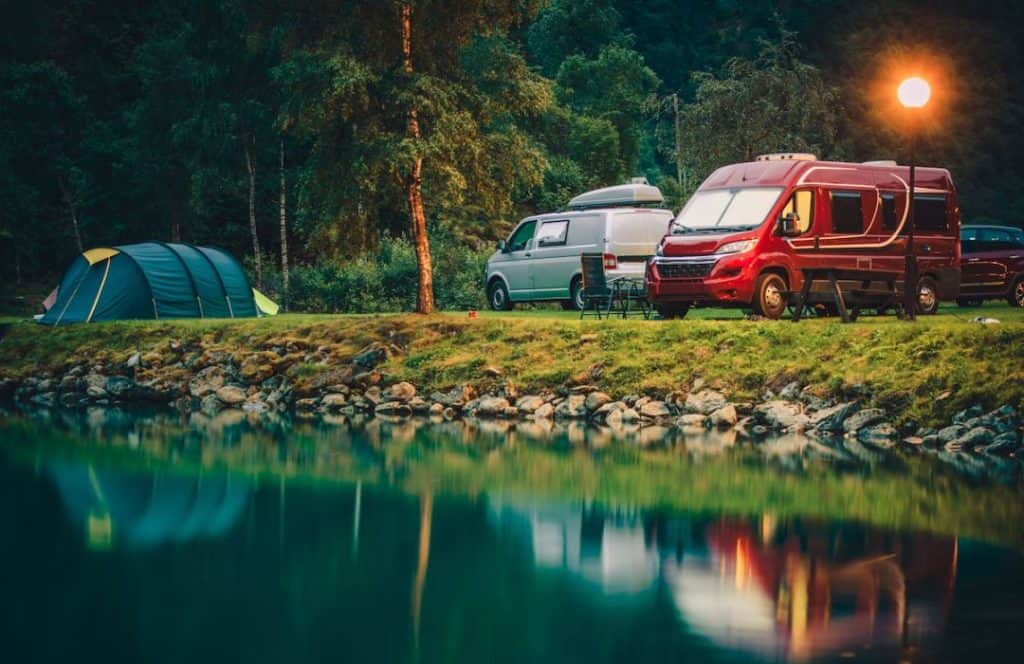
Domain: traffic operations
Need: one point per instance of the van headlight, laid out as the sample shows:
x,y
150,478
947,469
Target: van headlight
x,y
736,247
659,250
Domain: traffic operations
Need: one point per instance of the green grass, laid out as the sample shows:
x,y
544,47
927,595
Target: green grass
x,y
924,370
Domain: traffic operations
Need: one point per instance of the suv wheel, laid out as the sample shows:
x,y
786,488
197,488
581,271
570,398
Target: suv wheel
x,y
770,296
927,296
497,296
670,311
1016,294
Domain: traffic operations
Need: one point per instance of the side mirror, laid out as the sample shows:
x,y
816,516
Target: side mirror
x,y
502,246
789,225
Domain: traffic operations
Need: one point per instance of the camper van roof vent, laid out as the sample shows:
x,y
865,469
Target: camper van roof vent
x,y
786,156
620,195
881,162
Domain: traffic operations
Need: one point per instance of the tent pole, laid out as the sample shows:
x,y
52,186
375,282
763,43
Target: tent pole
x,y
99,291
199,301
73,294
230,309
156,314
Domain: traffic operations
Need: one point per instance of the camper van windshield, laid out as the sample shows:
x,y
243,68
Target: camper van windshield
x,y
726,209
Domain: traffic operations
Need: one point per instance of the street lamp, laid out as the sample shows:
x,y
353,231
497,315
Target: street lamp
x,y
913,93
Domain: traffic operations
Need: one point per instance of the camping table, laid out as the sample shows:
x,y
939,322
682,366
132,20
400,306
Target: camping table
x,y
626,290
858,298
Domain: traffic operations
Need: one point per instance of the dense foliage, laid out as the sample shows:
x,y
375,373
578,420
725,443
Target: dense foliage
x,y
172,119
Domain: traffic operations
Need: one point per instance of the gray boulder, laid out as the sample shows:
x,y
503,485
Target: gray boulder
x,y
231,395
393,409
692,421
862,419
704,402
781,415
529,403
976,436
951,433
725,417
595,400
574,407
655,409
207,381
831,419
490,407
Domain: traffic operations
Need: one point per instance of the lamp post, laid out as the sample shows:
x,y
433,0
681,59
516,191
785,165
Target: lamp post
x,y
913,93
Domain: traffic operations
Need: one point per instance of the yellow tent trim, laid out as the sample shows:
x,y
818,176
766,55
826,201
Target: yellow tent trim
x,y
101,254
266,306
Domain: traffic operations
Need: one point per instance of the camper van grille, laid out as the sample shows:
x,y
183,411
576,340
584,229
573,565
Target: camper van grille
x,y
684,270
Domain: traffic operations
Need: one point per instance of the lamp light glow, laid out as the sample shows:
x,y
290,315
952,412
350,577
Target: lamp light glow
x,y
914,92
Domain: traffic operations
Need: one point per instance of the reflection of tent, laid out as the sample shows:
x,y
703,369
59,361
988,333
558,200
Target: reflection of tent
x,y
152,280
146,511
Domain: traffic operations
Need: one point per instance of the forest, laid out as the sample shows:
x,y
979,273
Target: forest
x,y
318,140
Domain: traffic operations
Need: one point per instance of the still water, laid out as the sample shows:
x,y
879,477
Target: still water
x,y
130,538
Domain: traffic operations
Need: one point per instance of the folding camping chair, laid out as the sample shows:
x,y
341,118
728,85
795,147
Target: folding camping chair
x,y
598,294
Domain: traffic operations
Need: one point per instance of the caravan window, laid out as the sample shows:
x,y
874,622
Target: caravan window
x,y
847,214
889,219
552,233
930,212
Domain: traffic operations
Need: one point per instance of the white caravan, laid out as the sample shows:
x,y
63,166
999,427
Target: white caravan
x,y
540,260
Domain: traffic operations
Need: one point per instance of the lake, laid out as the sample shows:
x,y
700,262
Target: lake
x,y
134,536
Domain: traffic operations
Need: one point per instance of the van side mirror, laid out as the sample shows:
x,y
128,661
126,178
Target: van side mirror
x,y
502,246
789,225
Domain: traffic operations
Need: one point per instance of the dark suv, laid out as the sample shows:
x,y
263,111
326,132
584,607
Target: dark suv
x,y
991,264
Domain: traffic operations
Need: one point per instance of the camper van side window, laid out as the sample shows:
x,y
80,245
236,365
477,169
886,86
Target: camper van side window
x,y
802,202
930,212
889,220
847,216
552,233
522,236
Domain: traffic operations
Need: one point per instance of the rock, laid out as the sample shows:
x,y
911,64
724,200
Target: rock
x,y
306,405
370,356
544,412
207,381
882,432
630,415
134,361
573,408
333,402
781,414
607,408
210,404
95,392
964,415
402,391
951,433
914,440
454,398
493,371
639,403
490,407
529,403
420,406
255,407
976,436
692,421
862,419
510,413
393,409
120,387
596,400
450,413
230,395
725,417
831,419
655,409
704,402
1003,444
373,395
790,391
614,418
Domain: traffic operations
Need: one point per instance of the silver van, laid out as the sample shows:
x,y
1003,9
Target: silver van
x,y
540,260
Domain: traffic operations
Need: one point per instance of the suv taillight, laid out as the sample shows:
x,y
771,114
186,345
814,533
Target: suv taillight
x,y
610,262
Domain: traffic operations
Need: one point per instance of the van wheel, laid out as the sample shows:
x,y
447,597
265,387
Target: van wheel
x,y
968,301
927,296
670,311
497,296
770,296
576,295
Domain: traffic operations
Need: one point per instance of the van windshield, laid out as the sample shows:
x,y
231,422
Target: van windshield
x,y
726,209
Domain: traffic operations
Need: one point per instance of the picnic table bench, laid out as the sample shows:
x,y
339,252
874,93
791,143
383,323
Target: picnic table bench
x,y
877,290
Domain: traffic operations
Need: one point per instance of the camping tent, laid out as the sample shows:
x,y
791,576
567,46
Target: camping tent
x,y
152,280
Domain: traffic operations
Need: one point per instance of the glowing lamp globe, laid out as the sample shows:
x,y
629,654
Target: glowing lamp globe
x,y
914,92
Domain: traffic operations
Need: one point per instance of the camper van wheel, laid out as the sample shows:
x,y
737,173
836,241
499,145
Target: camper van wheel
x,y
670,311
1016,296
576,295
927,296
497,296
770,296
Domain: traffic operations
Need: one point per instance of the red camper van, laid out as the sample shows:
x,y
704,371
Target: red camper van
x,y
745,235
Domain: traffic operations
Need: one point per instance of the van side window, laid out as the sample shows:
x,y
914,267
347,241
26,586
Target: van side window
x,y
889,219
802,202
930,212
552,233
522,236
847,215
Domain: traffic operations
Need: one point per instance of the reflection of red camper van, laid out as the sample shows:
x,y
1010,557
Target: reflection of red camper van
x,y
744,236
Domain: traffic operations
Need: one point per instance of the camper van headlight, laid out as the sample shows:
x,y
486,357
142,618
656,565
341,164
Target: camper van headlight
x,y
660,249
736,247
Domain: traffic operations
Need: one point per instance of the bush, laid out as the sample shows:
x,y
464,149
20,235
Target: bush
x,y
385,280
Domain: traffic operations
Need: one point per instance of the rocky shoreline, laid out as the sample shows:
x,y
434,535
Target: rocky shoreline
x,y
212,382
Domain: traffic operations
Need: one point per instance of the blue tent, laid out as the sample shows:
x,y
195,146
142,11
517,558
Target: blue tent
x,y
152,280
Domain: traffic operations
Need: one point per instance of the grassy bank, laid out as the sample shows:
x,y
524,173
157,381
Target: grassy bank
x,y
925,371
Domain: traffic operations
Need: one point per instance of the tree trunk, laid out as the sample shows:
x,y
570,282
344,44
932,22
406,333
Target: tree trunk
x,y
252,212
72,212
284,233
413,187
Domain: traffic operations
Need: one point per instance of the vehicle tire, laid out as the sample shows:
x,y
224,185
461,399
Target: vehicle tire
x,y
927,296
576,295
968,301
769,299
673,310
1016,295
497,296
